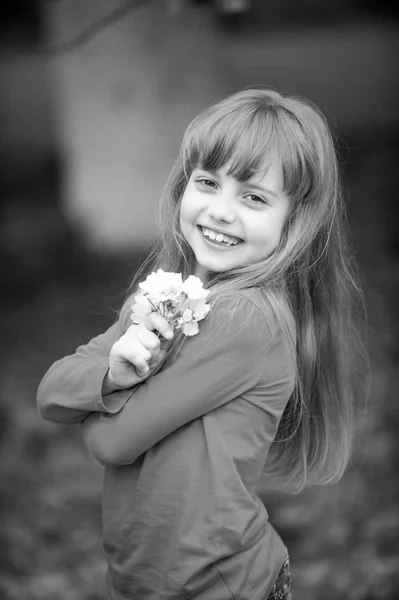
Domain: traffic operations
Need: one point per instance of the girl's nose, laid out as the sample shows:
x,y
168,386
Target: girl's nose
x,y
221,208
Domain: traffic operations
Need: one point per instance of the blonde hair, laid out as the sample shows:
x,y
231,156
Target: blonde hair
x,y
310,274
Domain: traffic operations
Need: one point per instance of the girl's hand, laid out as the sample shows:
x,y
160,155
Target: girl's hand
x,y
137,353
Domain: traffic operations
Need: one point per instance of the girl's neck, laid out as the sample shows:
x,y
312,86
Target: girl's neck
x,y
201,272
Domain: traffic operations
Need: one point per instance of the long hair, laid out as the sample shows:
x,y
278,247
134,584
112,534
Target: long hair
x,y
311,274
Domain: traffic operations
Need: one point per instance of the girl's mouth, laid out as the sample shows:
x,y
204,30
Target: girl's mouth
x,y
219,239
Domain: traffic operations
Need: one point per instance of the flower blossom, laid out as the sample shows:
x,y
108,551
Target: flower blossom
x,y
181,304
194,289
161,286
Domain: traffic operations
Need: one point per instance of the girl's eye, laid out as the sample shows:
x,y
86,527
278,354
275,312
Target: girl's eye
x,y
206,182
254,199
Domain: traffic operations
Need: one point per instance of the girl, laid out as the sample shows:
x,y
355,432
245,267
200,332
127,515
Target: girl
x,y
184,425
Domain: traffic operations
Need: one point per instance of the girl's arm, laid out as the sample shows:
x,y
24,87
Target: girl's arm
x,y
225,360
73,387
101,375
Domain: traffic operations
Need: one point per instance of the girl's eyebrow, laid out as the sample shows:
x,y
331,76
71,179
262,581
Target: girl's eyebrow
x,y
243,183
261,189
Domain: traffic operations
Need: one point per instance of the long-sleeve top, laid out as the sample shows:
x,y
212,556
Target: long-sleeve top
x,y
183,454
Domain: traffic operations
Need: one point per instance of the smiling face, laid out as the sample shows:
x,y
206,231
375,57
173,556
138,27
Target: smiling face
x,y
229,223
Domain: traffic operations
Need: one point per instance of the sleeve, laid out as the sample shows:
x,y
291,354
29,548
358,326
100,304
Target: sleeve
x,y
223,361
71,389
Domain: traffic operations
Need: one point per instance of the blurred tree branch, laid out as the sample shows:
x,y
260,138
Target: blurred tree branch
x,y
82,37
88,33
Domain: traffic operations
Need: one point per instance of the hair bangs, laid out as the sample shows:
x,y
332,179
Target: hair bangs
x,y
249,141
297,178
296,154
233,138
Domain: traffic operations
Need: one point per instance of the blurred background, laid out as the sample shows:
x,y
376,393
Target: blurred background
x,y
95,96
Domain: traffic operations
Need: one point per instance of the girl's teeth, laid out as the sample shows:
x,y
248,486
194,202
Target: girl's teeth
x,y
219,237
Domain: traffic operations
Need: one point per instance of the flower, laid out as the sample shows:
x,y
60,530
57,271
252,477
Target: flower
x,y
182,304
141,308
193,288
190,328
161,286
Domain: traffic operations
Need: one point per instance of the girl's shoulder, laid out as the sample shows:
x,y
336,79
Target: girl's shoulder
x,y
257,313
274,310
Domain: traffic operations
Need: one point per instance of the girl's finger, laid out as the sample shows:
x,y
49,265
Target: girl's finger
x,y
153,363
142,373
156,322
157,359
137,355
149,339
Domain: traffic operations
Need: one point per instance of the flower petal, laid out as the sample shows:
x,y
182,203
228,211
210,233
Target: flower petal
x,y
201,313
190,328
187,315
137,319
142,306
194,289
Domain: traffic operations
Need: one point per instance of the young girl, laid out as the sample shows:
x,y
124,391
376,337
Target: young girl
x,y
184,425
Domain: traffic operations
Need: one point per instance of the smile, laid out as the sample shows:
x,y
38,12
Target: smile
x,y
219,239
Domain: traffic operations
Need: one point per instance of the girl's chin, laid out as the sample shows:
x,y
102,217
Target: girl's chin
x,y
204,268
